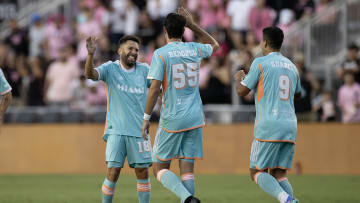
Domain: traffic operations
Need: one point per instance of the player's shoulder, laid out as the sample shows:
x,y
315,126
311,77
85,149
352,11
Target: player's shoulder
x,y
110,63
192,43
293,66
161,51
143,66
259,61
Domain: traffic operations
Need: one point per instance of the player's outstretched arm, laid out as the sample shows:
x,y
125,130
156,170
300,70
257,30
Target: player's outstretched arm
x,y
4,103
203,36
90,72
153,94
241,89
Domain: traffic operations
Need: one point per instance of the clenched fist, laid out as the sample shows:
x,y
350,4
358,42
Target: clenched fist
x,y
239,76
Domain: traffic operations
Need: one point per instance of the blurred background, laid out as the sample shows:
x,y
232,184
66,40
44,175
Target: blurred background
x,y
56,120
42,53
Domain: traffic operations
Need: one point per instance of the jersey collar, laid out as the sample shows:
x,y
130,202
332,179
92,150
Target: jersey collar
x,y
174,42
124,69
274,53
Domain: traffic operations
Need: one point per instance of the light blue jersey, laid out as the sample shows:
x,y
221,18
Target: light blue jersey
x,y
126,97
4,85
275,80
177,65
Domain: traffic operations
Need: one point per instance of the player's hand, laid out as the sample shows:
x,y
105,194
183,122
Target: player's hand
x,y
186,14
145,129
91,43
239,76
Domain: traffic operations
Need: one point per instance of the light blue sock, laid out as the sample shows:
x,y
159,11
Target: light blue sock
x,y
173,183
271,186
143,188
108,189
285,184
189,183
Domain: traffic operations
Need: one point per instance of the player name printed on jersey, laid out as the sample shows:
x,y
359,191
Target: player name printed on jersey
x,y
182,53
282,64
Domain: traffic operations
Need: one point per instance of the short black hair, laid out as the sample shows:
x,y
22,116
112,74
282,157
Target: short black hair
x,y
353,47
274,36
129,38
174,24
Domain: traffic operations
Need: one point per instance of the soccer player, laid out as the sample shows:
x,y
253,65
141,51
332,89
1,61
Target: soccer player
x,y
175,68
126,86
5,91
276,82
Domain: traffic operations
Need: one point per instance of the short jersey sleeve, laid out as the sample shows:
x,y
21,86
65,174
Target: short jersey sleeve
x,y
4,85
157,67
252,78
103,70
148,81
205,50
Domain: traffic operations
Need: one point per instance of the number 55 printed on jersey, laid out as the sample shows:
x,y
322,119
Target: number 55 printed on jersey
x,y
185,74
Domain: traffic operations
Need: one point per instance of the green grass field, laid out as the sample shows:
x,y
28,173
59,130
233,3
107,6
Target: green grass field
x,y
210,189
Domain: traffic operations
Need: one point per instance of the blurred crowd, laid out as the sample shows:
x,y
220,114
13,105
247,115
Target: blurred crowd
x,y
44,61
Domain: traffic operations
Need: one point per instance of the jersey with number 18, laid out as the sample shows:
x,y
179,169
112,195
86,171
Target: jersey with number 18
x,y
177,65
275,80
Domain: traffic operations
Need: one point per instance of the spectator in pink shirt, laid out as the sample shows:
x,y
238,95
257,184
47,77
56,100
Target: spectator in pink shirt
x,y
61,79
349,99
330,17
90,27
260,17
286,20
97,94
212,13
57,35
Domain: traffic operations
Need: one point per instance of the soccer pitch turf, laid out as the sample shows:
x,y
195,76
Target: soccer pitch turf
x,y
210,189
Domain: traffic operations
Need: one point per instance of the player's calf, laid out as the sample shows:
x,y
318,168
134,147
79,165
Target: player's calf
x,y
143,185
271,186
280,175
108,187
187,174
170,181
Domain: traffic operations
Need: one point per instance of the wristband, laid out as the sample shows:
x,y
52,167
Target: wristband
x,y
146,116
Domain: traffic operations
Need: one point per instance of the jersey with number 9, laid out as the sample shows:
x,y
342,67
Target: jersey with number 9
x,y
177,65
275,80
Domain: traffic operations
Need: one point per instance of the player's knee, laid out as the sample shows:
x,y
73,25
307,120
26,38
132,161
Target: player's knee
x,y
253,173
278,173
252,176
141,173
155,171
113,174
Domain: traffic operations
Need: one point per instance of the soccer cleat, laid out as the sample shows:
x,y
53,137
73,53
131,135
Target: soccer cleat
x,y
292,200
192,199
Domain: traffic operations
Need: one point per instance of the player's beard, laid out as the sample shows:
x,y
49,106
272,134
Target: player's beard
x,y
129,59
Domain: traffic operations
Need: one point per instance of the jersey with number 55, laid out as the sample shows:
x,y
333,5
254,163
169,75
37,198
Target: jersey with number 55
x,y
177,65
275,80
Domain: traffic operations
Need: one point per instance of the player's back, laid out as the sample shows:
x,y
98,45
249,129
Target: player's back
x,y
182,105
279,81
